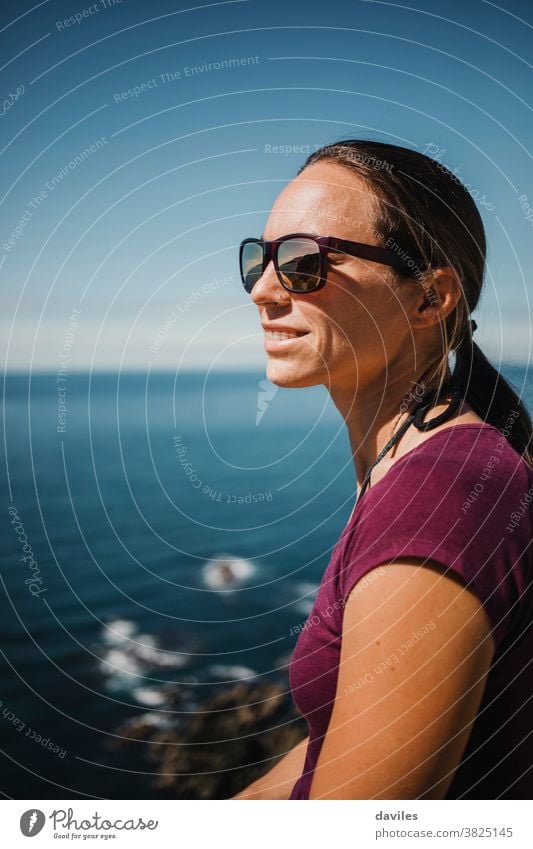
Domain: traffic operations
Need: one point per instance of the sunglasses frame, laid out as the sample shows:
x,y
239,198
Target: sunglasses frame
x,y
327,244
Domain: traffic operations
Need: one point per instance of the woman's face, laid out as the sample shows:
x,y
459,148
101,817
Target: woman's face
x,y
358,323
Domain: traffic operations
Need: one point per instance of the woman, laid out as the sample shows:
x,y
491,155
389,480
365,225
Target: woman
x,y
414,668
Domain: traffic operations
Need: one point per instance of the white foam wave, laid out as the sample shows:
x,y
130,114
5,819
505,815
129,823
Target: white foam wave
x,y
157,720
226,572
118,630
149,696
127,657
304,606
229,672
306,588
305,593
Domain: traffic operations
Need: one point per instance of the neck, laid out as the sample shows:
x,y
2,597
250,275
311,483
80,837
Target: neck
x,y
374,412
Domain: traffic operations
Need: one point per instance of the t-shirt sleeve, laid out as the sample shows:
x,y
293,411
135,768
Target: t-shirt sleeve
x,y
455,509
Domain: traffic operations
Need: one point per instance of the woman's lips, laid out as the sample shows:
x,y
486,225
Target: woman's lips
x,y
279,341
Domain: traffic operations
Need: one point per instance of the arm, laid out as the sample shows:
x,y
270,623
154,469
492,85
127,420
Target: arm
x,y
279,781
404,704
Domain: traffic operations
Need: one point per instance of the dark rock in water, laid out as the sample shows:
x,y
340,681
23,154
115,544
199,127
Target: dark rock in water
x,y
230,740
226,575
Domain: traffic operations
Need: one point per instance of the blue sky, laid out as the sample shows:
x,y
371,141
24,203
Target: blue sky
x,y
129,175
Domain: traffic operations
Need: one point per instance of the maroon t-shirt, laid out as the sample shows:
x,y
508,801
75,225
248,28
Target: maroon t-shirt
x,y
463,498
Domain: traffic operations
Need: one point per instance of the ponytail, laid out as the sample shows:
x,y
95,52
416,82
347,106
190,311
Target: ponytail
x,y
492,397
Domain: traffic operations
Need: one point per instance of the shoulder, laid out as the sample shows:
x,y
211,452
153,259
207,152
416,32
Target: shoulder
x,y
460,465
452,500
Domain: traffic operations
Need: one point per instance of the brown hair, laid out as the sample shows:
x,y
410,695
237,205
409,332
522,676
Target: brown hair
x,y
424,210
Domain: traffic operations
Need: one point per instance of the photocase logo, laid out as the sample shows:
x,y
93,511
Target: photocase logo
x,y
265,394
32,822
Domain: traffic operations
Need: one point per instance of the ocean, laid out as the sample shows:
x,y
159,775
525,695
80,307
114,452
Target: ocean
x,y
162,532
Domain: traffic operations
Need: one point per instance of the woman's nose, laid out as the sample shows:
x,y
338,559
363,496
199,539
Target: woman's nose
x,y
268,288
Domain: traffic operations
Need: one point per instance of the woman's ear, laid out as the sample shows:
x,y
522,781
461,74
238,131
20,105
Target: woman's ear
x,y
441,290
429,300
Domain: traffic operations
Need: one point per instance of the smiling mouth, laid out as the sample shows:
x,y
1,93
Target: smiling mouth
x,y
277,335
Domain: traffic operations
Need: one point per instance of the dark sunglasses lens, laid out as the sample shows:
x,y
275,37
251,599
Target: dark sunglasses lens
x,y
251,264
299,264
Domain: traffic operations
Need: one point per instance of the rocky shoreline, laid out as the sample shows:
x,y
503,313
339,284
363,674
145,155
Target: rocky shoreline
x,y
229,740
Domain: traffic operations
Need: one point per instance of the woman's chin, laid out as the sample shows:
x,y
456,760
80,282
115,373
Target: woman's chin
x,y
290,375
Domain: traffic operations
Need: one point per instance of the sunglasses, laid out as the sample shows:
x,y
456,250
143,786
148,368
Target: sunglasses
x,y
301,261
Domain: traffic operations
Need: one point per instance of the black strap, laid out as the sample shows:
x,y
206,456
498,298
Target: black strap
x,y
416,419
383,451
448,412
